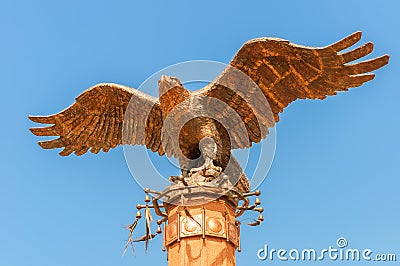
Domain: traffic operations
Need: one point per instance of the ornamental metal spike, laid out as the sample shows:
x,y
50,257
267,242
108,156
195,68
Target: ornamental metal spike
x,y
131,228
148,235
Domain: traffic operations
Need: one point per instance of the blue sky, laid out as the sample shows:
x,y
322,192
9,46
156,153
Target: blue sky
x,y
335,171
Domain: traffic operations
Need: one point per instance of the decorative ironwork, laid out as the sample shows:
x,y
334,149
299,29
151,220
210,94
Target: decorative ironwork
x,y
205,223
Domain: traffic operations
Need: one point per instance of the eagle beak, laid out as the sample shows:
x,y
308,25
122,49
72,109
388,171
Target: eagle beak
x,y
166,83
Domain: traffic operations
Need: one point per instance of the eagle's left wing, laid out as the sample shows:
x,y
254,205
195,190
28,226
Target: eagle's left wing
x,y
283,73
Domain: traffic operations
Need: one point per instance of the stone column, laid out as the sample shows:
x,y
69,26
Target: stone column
x,y
202,234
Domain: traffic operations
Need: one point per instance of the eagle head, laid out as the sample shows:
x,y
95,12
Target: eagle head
x,y
166,83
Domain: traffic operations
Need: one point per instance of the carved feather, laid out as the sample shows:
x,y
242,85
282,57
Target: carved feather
x,y
286,72
95,121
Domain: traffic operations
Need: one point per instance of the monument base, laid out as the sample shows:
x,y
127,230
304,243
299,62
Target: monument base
x,y
201,225
204,234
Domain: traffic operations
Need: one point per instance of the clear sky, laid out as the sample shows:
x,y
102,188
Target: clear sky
x,y
335,172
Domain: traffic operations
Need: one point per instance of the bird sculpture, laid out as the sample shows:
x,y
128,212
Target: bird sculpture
x,y
201,128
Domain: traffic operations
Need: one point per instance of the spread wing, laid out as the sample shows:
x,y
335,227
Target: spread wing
x,y
286,72
96,121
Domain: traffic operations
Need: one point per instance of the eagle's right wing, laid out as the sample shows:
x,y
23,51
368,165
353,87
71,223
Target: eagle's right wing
x,y
96,121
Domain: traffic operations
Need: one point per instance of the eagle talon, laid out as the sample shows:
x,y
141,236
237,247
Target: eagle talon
x,y
198,169
208,165
205,173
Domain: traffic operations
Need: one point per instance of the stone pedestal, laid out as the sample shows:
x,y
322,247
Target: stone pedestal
x,y
203,234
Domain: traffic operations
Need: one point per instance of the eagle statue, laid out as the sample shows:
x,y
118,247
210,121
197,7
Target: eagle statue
x,y
264,77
